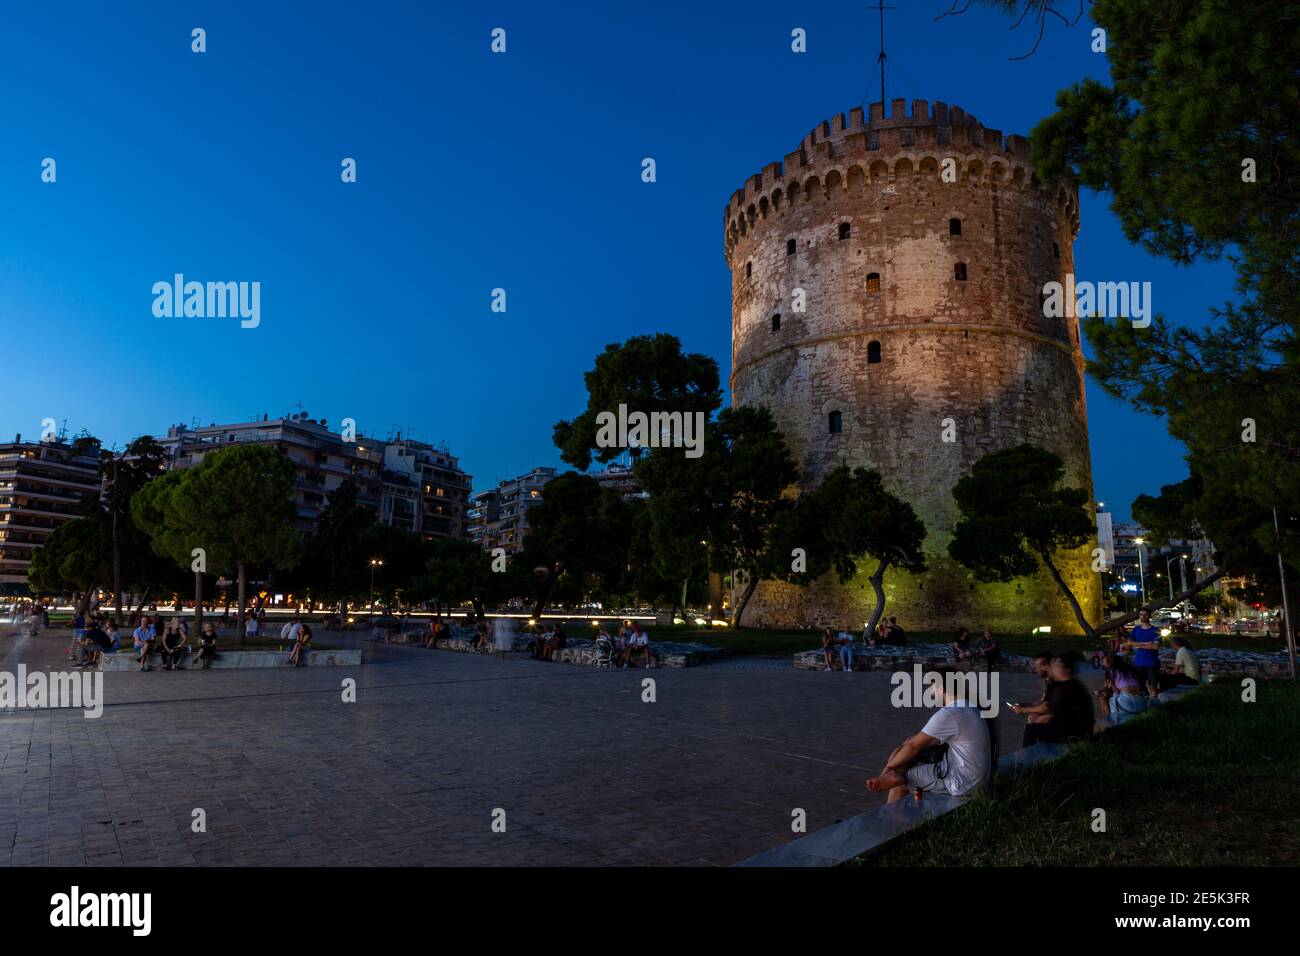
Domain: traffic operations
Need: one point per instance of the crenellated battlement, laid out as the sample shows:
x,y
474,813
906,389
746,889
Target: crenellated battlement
x,y
928,128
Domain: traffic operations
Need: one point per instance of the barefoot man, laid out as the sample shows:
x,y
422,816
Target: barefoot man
x,y
963,768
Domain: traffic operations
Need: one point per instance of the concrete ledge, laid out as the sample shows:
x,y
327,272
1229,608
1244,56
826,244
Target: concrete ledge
x,y
890,657
868,831
342,657
583,653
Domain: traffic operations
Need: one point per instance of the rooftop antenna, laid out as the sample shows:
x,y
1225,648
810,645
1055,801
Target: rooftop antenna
x,y
880,5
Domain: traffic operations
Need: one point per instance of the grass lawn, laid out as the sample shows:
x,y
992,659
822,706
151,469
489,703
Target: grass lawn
x,y
1206,781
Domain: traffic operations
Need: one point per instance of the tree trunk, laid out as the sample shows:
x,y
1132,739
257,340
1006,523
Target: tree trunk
x,y
1069,596
552,575
1195,588
478,608
198,603
243,599
877,580
751,582
715,593
144,597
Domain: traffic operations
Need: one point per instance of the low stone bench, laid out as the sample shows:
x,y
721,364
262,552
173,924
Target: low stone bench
x,y
583,653
126,660
893,657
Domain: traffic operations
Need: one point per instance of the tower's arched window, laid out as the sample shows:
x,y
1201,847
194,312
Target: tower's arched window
x,y
873,353
776,322
1056,249
954,227
749,269
790,246
959,272
873,283
836,423
845,230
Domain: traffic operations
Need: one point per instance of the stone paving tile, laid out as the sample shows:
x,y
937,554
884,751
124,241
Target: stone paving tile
x,y
587,773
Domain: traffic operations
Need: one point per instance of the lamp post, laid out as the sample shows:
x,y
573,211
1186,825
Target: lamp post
x,y
1142,573
1170,575
374,563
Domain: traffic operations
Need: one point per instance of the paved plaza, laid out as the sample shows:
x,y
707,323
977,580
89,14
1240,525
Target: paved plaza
x,y
411,773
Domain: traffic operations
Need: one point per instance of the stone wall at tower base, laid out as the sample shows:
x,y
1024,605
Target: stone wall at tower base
x,y
944,598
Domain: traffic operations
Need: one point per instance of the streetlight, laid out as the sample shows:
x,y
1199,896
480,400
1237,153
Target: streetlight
x,y
374,563
1142,574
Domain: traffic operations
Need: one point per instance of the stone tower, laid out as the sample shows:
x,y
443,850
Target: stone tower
x,y
921,244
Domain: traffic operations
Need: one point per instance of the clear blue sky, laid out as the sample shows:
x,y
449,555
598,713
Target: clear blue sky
x,y
475,171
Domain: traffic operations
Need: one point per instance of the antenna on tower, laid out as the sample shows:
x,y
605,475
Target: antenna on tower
x,y
880,5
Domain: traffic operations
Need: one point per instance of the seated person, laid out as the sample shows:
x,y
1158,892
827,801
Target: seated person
x,y
965,766
173,646
989,648
94,642
547,643
961,646
1122,698
207,645
897,635
1065,713
638,642
145,642
621,650
298,653
828,648
1186,668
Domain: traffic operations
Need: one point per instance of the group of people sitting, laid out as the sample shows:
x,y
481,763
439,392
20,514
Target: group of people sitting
x,y
630,643
171,645
955,752
986,650
1133,683
840,644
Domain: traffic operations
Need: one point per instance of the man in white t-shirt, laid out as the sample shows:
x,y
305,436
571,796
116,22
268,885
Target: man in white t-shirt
x,y
290,630
962,770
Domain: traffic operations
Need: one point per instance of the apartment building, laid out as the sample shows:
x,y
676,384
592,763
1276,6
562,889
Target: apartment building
x,y
426,486
499,516
41,486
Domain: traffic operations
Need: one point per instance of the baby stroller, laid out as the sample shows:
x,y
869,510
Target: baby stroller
x,y
604,653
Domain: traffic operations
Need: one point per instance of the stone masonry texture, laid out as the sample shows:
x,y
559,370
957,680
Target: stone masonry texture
x,y
866,197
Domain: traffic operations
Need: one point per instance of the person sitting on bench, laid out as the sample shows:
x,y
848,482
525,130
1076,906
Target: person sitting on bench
x,y
297,655
1186,668
173,645
952,754
1065,713
207,645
